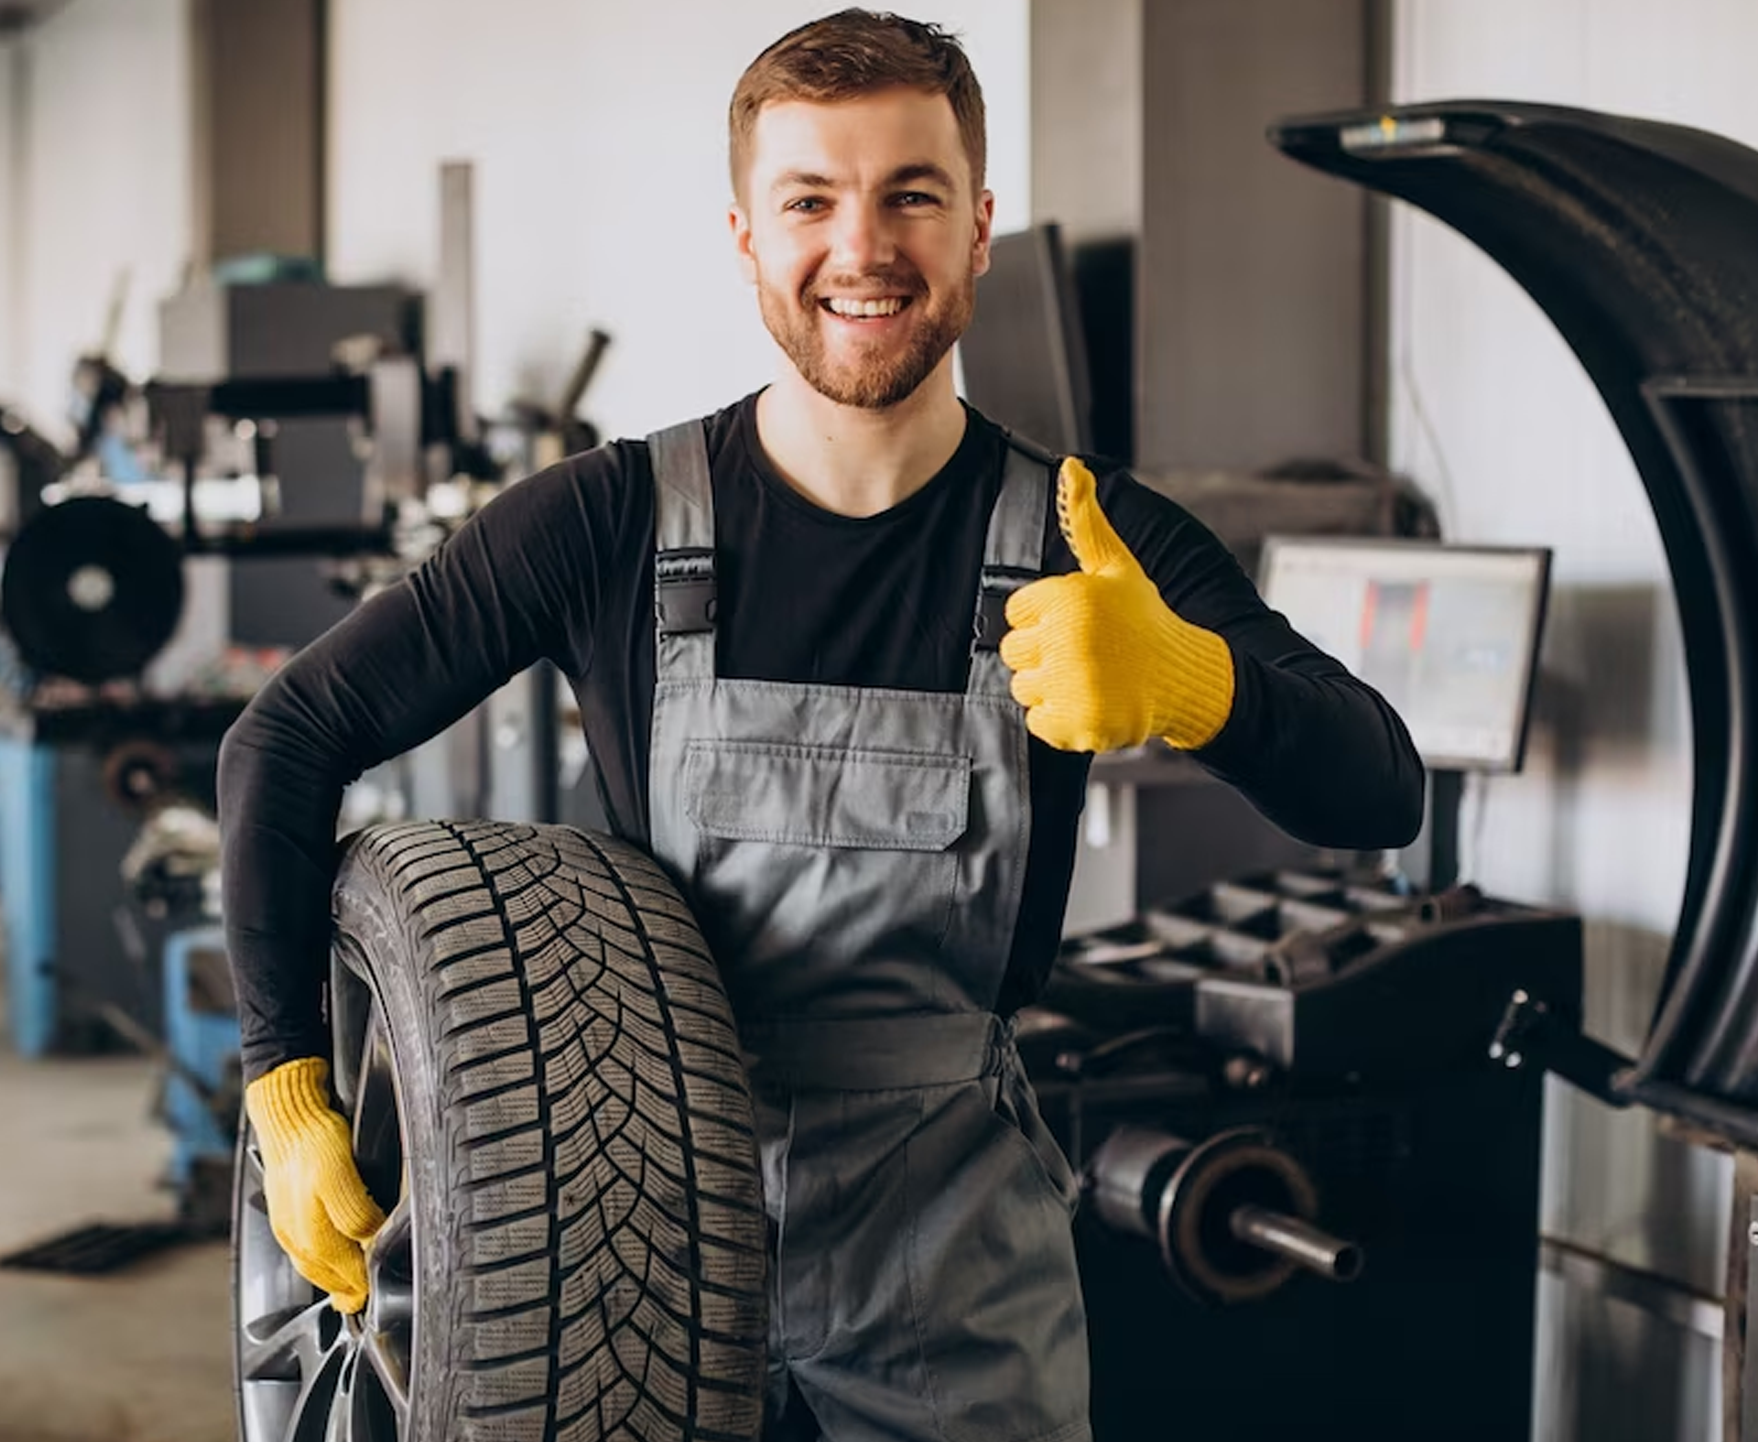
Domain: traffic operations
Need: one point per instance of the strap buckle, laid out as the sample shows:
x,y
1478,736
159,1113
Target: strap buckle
x,y
685,598
990,624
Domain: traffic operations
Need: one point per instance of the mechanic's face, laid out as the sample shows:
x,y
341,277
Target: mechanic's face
x,y
859,226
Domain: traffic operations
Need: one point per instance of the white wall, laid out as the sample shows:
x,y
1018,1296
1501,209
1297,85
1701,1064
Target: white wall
x,y
106,177
11,348
598,134
1492,413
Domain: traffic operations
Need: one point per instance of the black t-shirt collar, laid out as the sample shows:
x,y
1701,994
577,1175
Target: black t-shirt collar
x,y
966,462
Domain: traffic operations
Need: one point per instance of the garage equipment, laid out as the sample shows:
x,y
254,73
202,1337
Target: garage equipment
x,y
91,592
74,943
1282,1081
29,461
204,1082
1635,238
1299,1158
264,359
97,402
172,871
93,589
1024,355
1448,634
1232,1214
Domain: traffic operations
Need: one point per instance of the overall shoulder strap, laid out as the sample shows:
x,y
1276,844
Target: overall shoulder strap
x,y
1013,552
683,563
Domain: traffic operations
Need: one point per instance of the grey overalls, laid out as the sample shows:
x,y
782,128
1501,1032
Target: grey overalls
x,y
856,857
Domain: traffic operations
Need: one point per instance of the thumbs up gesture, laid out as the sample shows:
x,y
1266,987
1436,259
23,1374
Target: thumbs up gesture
x,y
1099,661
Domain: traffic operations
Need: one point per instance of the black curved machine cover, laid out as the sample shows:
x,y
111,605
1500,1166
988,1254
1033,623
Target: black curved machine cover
x,y
1640,241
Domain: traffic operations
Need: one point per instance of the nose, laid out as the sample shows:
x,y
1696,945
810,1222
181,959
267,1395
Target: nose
x,y
864,240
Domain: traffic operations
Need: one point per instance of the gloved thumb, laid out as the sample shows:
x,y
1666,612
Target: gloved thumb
x,y
1096,546
351,1208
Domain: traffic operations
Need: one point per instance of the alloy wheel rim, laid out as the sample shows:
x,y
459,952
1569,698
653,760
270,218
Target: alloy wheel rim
x,y
306,1373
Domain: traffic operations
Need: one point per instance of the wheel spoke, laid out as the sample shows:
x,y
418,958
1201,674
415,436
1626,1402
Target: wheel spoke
x,y
394,1304
392,1246
387,1344
377,1129
269,1294
255,1182
314,1413
292,1345
344,1405
389,1371
371,1075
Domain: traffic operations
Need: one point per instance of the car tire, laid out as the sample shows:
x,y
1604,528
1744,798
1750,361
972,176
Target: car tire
x,y
535,1054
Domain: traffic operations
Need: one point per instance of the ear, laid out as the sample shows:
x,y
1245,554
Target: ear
x,y
740,225
985,225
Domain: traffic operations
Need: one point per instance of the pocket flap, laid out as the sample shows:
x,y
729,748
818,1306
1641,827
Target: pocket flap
x,y
826,795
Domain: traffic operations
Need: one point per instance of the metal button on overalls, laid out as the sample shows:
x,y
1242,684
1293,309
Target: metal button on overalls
x,y
855,857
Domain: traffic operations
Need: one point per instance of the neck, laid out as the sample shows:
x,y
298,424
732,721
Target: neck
x,y
857,462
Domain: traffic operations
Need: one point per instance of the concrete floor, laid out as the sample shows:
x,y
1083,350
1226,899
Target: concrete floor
x,y
139,1355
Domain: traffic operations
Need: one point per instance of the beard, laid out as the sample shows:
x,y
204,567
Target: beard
x,y
881,373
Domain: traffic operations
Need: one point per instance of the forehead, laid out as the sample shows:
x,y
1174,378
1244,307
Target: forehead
x,y
863,138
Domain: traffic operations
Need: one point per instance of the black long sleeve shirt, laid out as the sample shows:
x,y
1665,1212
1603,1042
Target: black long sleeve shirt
x,y
560,566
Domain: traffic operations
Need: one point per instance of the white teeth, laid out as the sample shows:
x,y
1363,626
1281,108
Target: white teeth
x,y
841,306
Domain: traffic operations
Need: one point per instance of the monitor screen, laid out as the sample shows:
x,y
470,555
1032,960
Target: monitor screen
x,y
1447,634
1023,354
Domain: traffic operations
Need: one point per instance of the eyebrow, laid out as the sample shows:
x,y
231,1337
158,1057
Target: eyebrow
x,y
921,170
903,175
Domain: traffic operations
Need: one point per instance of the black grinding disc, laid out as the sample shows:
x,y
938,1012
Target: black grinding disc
x,y
92,589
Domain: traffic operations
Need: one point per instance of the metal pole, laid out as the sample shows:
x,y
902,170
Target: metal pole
x,y
1300,1242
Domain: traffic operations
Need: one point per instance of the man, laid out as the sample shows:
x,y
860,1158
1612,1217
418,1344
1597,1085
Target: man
x,y
873,813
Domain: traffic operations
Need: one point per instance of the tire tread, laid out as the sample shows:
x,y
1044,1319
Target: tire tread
x,y
606,1224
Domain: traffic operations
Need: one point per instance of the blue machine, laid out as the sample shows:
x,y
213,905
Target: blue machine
x,y
203,1091
60,888
27,891
82,958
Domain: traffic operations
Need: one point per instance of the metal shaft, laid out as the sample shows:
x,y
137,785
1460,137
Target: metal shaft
x,y
1298,1241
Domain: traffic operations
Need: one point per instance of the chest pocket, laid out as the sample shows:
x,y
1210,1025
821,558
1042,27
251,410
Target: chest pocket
x,y
828,877
823,796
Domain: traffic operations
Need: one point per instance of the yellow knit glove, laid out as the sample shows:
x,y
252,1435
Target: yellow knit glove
x,y
1100,662
319,1208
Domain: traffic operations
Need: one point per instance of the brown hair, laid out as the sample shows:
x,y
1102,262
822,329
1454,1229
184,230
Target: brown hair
x,y
851,54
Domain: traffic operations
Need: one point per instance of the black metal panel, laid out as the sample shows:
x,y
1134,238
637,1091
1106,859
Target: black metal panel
x,y
107,949
1024,353
1640,241
1437,1180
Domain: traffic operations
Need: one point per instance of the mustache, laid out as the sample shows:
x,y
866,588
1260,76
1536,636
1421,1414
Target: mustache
x,y
891,281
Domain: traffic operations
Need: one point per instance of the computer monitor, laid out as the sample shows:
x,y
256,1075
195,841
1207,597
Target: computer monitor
x,y
1447,634
1024,356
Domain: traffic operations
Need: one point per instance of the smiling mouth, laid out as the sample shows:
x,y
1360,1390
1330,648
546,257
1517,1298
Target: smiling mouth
x,y
847,308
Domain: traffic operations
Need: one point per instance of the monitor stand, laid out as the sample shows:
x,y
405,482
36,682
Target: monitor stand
x,y
1431,861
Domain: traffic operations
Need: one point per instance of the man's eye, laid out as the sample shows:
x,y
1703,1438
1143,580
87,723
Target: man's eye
x,y
806,205
915,197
